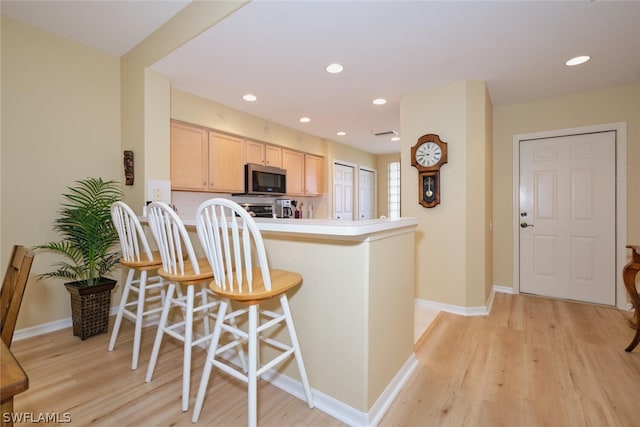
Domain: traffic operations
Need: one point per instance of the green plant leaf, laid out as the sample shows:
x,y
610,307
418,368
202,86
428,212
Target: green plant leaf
x,y
89,237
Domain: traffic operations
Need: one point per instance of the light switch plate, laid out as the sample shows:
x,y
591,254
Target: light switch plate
x,y
159,191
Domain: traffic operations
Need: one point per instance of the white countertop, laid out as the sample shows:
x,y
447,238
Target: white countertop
x,y
328,227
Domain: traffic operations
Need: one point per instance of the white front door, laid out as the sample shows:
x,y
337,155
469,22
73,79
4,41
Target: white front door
x,y
342,191
568,217
366,190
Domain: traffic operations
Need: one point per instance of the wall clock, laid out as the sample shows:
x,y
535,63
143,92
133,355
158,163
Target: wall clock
x,y
428,155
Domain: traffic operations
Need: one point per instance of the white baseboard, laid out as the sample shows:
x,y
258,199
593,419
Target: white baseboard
x,y
503,289
45,328
461,310
455,309
392,390
342,411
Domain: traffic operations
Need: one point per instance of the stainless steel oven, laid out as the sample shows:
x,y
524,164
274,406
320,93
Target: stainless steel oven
x,y
259,210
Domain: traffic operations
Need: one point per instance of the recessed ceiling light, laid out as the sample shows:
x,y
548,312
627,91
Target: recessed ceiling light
x,y
379,101
341,133
395,138
305,120
577,60
249,97
334,68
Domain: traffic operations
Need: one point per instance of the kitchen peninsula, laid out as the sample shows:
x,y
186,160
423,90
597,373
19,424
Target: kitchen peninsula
x,y
353,311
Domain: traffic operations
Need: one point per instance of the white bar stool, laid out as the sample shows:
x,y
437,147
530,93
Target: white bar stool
x,y
180,267
138,258
229,236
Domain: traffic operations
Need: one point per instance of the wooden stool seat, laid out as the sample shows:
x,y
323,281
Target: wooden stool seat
x,y
281,281
144,263
190,276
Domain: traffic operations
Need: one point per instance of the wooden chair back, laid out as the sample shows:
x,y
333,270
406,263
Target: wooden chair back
x,y
173,241
13,286
230,238
133,242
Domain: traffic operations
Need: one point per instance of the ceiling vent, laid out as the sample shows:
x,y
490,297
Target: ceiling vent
x,y
389,132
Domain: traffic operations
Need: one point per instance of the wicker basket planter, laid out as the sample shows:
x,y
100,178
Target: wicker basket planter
x,y
90,307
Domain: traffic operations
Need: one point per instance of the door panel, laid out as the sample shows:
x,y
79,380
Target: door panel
x,y
367,197
567,216
342,192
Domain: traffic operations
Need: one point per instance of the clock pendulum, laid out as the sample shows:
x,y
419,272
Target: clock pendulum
x,y
429,191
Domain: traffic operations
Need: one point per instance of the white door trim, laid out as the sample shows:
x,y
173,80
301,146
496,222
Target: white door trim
x,y
621,198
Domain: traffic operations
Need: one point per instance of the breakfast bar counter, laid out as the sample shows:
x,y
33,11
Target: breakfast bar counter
x,y
330,228
353,311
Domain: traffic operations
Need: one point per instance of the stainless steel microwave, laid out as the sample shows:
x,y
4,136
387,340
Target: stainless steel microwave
x,y
264,180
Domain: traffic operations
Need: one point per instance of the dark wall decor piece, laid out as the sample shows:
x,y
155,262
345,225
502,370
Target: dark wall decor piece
x,y
128,167
428,155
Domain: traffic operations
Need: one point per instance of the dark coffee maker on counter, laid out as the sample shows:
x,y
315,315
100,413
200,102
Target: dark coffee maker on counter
x,y
283,208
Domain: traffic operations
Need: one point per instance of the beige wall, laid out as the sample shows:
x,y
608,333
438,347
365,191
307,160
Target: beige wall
x,y
60,123
478,256
157,130
610,105
452,237
353,364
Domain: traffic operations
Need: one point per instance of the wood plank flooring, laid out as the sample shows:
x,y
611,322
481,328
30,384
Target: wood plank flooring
x,y
532,362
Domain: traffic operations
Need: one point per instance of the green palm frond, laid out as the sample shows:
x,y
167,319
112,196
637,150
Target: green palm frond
x,y
88,234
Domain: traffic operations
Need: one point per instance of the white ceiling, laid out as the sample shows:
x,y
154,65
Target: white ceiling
x,y
278,50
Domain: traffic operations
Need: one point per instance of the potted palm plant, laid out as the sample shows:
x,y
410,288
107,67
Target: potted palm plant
x,y
89,245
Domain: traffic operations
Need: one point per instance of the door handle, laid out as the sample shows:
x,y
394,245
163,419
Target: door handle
x,y
525,225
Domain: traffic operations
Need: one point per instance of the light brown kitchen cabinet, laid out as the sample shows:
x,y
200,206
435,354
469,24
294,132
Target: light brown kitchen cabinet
x,y
255,152
204,160
293,163
189,167
273,155
226,163
313,175
263,154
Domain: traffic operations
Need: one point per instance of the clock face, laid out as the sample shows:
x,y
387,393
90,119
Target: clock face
x,y
428,154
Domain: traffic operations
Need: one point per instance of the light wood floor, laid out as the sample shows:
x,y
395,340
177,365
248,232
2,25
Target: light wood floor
x,y
532,362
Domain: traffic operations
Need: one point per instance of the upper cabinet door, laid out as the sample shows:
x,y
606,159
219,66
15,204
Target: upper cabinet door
x,y
273,156
293,163
255,152
189,158
314,174
226,163
263,154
